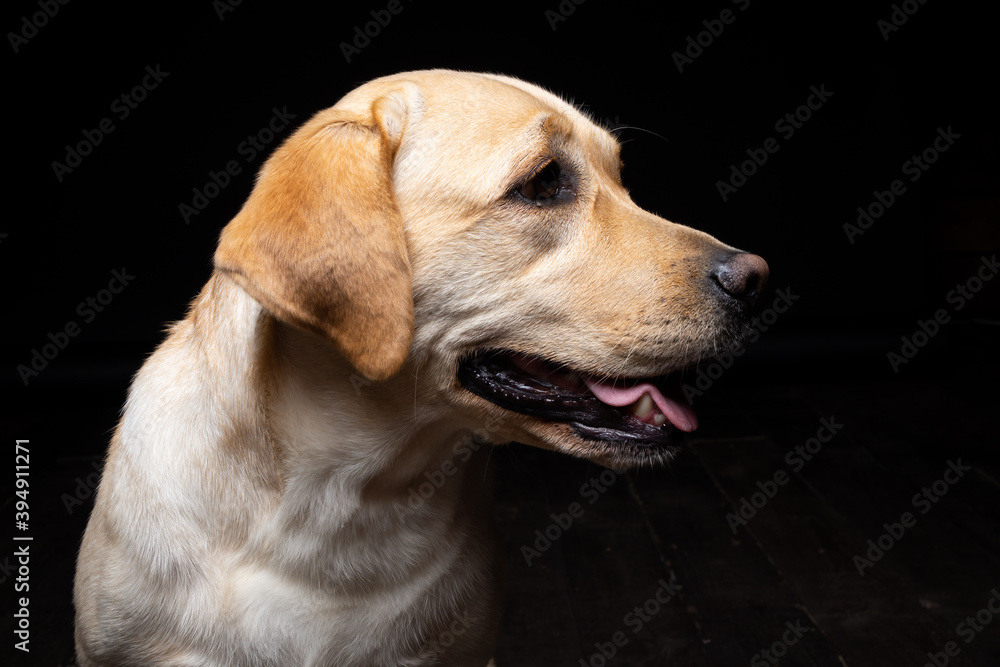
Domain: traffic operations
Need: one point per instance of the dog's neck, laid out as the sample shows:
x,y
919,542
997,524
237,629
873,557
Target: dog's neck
x,y
373,477
333,515
384,439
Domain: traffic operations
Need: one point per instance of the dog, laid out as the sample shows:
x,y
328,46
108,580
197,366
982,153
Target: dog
x,y
440,253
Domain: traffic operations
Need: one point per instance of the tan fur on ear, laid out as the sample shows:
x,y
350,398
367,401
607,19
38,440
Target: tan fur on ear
x,y
320,241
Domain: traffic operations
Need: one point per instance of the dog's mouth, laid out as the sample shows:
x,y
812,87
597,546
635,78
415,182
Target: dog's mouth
x,y
648,412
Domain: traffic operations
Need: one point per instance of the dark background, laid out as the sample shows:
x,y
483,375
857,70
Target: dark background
x,y
119,208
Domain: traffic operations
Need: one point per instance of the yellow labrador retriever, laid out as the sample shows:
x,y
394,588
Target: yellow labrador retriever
x,y
438,252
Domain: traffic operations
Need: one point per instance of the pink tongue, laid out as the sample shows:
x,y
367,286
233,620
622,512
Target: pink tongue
x,y
680,414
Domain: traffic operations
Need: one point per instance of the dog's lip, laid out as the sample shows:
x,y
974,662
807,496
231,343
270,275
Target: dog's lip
x,y
595,408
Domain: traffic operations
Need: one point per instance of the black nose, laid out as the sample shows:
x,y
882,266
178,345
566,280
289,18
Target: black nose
x,y
742,276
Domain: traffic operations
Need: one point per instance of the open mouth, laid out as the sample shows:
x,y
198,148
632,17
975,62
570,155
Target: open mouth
x,y
650,411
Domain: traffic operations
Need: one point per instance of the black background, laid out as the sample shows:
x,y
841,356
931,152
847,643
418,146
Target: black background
x,y
119,208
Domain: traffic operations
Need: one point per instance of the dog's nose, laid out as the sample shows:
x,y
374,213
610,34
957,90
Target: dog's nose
x,y
742,276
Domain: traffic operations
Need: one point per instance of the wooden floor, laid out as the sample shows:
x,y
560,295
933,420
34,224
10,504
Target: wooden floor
x,y
651,571
786,581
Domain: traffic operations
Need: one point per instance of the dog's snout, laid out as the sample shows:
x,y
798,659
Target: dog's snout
x,y
742,276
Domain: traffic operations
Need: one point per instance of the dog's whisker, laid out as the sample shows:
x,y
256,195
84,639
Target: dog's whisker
x,y
641,129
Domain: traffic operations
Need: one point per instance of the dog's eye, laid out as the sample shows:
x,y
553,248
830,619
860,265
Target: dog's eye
x,y
543,185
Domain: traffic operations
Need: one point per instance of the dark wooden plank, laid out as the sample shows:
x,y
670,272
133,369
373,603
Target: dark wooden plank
x,y
901,426
625,596
812,545
906,604
736,595
900,434
538,625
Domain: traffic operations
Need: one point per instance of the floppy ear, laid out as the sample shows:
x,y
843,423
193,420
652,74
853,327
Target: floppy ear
x,y
320,243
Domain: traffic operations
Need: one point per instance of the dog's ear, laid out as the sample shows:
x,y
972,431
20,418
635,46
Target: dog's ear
x,y
320,242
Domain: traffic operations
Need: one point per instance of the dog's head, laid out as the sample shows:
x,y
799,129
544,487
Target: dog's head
x,y
476,227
